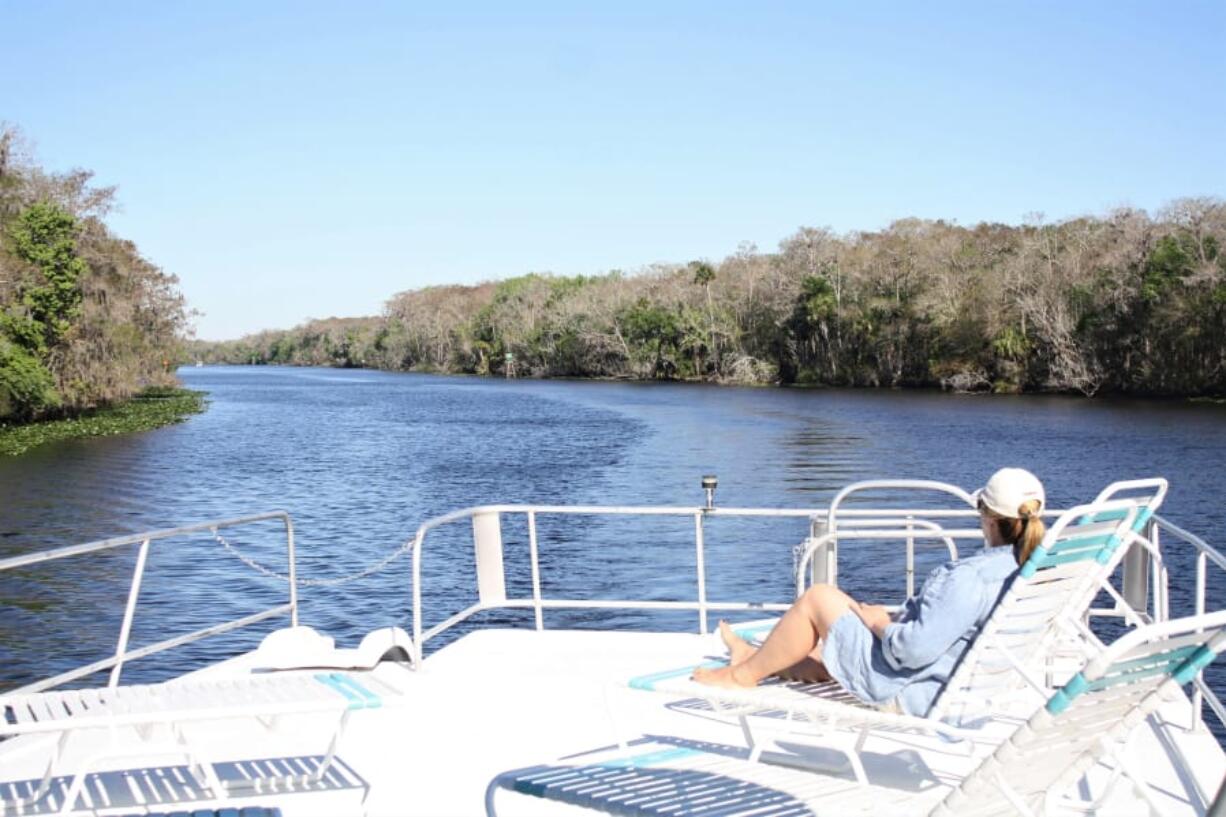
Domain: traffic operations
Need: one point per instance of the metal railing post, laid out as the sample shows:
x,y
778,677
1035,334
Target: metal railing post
x,y
418,646
702,573
832,561
293,571
536,570
1198,697
910,560
819,567
1164,579
125,630
487,549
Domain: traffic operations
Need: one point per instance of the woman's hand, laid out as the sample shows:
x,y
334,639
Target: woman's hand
x,y
874,616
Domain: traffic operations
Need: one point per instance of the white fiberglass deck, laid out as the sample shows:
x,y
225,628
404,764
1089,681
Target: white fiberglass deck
x,y
498,700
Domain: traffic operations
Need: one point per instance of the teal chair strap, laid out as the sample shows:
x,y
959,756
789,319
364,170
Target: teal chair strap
x,y
1181,663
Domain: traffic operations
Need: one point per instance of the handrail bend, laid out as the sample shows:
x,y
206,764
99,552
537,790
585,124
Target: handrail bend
x,y
122,654
1205,554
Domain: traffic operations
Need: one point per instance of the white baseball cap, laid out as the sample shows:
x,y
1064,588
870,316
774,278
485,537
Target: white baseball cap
x,y
1008,490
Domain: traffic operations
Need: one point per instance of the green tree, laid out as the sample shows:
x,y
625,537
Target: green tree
x,y
652,328
44,237
49,300
1166,266
26,386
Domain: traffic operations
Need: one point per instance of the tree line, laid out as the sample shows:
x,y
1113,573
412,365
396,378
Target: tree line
x,y
1125,302
85,320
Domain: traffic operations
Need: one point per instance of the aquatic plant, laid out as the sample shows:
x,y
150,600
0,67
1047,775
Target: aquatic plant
x,y
152,408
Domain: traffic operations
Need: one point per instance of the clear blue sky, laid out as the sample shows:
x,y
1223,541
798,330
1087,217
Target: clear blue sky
x,y
291,160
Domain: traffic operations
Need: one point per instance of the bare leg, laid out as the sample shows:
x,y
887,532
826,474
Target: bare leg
x,y
809,668
793,640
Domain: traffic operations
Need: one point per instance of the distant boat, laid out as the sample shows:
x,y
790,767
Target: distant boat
x,y
199,363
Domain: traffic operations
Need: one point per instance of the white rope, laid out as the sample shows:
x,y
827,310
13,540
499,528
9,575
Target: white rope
x,y
333,582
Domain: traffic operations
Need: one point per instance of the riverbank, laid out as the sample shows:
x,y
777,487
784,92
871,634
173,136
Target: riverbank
x,y
919,388
1118,304
152,408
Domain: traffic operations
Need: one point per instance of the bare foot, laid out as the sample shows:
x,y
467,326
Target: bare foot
x,y
738,648
725,677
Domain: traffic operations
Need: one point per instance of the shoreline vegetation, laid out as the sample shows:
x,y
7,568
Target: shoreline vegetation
x,y
89,328
152,408
1124,303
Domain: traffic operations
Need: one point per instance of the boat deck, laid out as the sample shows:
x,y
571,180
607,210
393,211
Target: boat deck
x,y
428,736
497,700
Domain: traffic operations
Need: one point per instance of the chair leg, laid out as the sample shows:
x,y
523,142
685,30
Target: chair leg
x,y
490,791
1010,795
199,768
1138,781
78,781
751,743
332,745
857,764
44,785
1117,771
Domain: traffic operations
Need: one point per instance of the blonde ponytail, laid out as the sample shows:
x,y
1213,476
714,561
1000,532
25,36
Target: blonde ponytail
x,y
1031,533
1024,532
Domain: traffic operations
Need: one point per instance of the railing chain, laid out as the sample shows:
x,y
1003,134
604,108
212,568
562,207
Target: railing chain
x,y
331,582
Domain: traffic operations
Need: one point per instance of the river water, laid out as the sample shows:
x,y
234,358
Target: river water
x,y
361,458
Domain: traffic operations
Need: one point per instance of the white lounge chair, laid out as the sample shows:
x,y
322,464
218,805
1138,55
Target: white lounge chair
x,y
175,704
1087,721
1006,671
1044,611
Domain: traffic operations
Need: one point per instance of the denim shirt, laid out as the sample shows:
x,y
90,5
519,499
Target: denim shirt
x,y
937,625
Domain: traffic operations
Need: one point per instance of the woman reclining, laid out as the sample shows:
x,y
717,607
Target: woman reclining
x,y
904,662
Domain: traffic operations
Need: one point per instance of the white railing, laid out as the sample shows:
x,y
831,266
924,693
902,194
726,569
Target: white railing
x,y
122,654
1146,591
491,581
826,527
820,558
1161,609
1145,577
